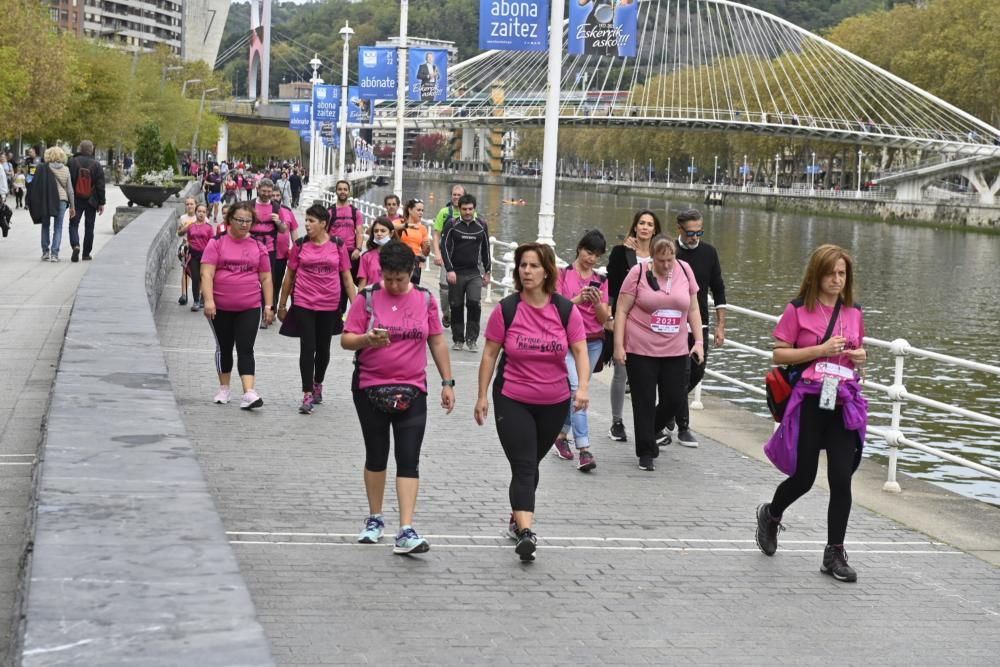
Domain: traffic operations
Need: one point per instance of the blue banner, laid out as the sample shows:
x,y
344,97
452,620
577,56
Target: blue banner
x,y
514,25
603,27
304,134
359,109
377,72
326,103
298,115
428,75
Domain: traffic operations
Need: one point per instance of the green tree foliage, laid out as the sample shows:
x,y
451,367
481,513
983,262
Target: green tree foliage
x,y
148,152
259,144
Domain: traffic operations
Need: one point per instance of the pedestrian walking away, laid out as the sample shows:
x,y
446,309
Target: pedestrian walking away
x,y
588,291
704,262
530,332
267,226
388,327
283,241
415,235
653,314
319,269
50,196
447,213
198,234
634,250
295,183
89,198
380,233
465,249
235,279
820,336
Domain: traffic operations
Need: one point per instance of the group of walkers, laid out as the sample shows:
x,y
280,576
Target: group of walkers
x,y
648,319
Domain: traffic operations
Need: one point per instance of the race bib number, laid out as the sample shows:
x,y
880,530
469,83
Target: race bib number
x,y
666,321
830,369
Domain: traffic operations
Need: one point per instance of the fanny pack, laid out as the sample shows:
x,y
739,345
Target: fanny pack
x,y
392,398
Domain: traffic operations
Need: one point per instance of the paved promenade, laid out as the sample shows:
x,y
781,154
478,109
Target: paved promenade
x,y
632,568
35,307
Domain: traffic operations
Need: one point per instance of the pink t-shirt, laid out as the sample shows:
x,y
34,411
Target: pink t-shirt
x,y
238,265
317,274
341,225
264,230
657,325
199,234
571,284
536,346
802,327
410,318
370,268
285,237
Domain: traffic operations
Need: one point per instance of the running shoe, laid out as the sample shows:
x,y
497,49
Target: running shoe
x,y
671,425
374,527
87,258
526,544
45,256
307,405
183,300
251,400
223,396
587,462
663,438
835,564
317,393
562,449
194,307
646,463
76,255
617,431
54,259
686,439
457,346
472,346
768,528
409,542
512,527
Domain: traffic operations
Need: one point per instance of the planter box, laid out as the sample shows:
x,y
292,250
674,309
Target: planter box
x,y
149,195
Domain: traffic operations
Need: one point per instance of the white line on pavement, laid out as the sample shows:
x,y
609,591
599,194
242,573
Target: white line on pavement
x,y
25,463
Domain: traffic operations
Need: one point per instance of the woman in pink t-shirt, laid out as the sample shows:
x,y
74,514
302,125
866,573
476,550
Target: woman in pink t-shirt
x,y
319,269
370,269
235,273
589,292
190,204
826,409
652,316
390,325
199,233
535,328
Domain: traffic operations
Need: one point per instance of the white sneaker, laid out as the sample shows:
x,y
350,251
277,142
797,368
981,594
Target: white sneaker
x,y
251,400
223,396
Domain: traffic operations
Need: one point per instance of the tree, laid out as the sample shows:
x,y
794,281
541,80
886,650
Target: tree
x,y
260,144
433,147
148,152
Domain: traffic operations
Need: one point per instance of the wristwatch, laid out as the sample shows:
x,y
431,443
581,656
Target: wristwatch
x,y
448,383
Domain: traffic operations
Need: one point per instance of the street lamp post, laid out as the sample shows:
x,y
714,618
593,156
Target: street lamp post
x,y
346,33
649,172
745,170
197,125
173,139
812,175
163,74
860,155
315,63
547,206
777,168
668,172
715,174
401,75
691,173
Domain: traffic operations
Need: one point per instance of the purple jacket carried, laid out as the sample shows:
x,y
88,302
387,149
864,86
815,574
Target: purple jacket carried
x,y
782,448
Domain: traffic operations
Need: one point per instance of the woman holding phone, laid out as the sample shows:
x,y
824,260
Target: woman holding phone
x,y
589,293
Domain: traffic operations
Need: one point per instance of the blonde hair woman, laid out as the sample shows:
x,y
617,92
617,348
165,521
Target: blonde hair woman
x,y
49,197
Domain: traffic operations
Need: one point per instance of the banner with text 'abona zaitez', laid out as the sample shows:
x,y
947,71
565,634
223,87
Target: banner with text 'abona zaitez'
x,y
514,25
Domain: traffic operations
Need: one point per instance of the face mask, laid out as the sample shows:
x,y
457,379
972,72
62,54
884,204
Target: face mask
x,y
382,241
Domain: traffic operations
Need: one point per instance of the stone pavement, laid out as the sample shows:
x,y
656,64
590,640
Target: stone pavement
x,y
632,568
34,310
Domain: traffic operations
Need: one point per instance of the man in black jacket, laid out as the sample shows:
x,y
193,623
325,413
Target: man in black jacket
x,y
704,261
465,249
87,176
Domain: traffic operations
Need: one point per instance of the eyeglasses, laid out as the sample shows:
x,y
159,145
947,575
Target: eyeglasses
x,y
242,221
700,232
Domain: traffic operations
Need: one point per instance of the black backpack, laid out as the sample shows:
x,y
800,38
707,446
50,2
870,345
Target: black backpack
x,y
508,307
275,208
332,212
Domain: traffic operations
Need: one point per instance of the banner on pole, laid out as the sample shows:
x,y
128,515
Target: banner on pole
x,y
326,103
514,25
603,27
377,72
298,115
359,109
305,134
428,75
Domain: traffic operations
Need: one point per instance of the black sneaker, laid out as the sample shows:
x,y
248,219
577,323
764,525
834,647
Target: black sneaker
x,y
525,547
686,439
87,258
835,564
76,255
183,301
768,527
617,431
646,463
663,438
671,425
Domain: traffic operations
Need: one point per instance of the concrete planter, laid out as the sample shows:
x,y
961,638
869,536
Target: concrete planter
x,y
149,195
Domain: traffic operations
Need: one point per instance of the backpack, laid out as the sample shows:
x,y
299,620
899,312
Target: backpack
x,y
369,293
332,211
275,208
290,326
84,186
508,307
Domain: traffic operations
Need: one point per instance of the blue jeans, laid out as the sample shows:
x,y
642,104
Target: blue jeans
x,y
56,231
577,420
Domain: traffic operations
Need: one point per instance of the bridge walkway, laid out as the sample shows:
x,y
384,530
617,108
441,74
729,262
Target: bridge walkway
x,y
632,568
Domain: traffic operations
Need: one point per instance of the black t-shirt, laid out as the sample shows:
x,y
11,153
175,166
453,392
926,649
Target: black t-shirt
x,y
214,183
704,261
296,182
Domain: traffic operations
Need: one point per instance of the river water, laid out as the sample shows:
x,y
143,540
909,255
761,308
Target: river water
x,y
937,288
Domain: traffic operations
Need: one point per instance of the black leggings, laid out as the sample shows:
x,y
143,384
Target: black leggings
x,y
822,429
277,277
526,433
407,433
237,328
315,333
647,377
194,266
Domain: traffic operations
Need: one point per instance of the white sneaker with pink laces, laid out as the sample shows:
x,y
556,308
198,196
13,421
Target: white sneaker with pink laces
x,y
251,400
223,396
